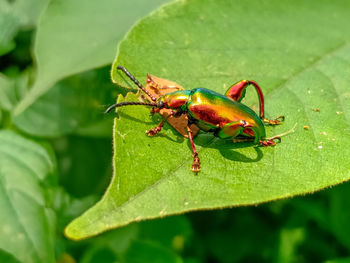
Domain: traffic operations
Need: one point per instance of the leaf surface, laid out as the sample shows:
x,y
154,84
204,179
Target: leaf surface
x,y
296,50
27,222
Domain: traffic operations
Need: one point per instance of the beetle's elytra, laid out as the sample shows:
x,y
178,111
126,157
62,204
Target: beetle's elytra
x,y
209,111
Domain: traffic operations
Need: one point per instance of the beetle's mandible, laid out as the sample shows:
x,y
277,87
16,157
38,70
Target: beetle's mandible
x,y
224,115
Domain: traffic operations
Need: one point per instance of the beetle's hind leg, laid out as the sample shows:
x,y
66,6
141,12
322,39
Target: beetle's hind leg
x,y
276,121
237,92
196,164
270,141
276,139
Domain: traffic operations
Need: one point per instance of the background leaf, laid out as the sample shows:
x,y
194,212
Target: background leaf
x,y
27,222
6,93
143,252
9,24
73,37
214,44
75,102
16,15
29,11
95,153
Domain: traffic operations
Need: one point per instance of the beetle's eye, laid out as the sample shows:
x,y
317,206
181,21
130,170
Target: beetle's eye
x,y
160,104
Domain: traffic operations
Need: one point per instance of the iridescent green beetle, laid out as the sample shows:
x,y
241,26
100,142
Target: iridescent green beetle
x,y
224,115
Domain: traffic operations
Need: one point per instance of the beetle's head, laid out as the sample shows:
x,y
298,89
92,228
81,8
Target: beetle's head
x,y
162,102
173,100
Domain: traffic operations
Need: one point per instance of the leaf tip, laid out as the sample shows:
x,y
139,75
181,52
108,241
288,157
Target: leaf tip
x,y
72,232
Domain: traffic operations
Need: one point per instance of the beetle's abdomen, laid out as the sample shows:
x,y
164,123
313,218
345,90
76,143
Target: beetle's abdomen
x,y
212,110
210,114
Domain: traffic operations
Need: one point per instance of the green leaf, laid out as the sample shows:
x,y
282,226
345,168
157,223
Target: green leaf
x,y
72,103
12,89
339,214
9,24
296,50
290,239
79,157
165,235
172,232
27,222
114,242
73,37
29,11
8,258
226,235
6,93
15,15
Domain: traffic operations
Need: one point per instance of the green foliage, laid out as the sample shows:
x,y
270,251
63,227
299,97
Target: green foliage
x,y
27,222
10,24
91,41
15,15
56,143
72,103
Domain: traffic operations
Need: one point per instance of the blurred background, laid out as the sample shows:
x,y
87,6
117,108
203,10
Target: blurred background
x,y
67,114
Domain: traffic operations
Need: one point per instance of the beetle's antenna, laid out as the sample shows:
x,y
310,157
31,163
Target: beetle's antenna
x,y
136,82
126,103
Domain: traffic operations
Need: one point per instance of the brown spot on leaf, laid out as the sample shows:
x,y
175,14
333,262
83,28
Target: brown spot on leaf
x,y
158,87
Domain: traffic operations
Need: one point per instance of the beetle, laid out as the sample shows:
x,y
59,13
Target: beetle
x,y
223,115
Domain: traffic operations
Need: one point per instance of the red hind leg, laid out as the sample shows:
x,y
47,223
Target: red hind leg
x,y
237,92
270,142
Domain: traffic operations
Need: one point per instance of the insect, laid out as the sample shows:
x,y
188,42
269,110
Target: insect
x,y
224,115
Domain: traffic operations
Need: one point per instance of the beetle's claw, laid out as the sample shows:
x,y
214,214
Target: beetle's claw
x,y
153,132
276,121
196,165
149,132
270,142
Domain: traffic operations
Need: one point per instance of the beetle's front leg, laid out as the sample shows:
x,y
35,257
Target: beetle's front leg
x,y
196,164
154,131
